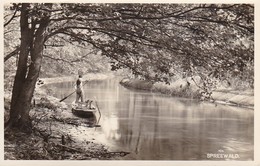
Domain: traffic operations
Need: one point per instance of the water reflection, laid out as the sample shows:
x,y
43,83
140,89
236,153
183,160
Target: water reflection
x,y
111,128
155,127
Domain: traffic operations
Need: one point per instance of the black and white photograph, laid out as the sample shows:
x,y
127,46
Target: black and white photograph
x,y
128,81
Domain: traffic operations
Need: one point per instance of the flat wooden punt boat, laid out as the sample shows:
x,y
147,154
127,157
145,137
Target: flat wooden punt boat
x,y
83,110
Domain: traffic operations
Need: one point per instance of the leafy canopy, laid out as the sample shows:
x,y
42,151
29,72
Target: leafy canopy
x,y
156,41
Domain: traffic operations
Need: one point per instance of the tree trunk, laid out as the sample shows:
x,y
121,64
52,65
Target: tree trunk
x,y
32,41
21,71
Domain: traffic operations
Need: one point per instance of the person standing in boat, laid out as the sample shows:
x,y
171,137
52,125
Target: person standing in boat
x,y
79,90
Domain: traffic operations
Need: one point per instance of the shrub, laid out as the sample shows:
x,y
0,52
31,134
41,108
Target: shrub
x,y
46,103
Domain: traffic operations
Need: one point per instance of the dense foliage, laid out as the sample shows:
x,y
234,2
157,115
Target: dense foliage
x,y
156,41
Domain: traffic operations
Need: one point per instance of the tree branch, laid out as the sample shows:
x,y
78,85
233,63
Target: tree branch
x,y
11,17
14,52
59,59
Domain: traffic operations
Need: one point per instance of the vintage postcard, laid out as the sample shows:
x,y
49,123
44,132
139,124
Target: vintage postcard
x,y
112,83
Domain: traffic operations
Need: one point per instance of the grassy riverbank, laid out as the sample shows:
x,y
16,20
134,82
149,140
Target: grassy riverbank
x,y
57,134
180,88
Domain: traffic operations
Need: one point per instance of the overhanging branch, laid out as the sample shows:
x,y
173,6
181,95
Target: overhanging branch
x,y
14,52
58,59
10,20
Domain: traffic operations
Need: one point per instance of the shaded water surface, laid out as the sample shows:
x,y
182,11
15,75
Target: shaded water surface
x,y
157,127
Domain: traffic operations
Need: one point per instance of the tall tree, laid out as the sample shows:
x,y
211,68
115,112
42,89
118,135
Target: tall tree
x,y
155,41
32,40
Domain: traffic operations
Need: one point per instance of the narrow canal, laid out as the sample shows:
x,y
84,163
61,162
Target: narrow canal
x,y
156,127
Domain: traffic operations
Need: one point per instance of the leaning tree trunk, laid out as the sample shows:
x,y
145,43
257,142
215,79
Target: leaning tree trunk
x,y
32,40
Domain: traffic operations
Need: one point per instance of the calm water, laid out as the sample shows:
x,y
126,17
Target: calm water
x,y
157,127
